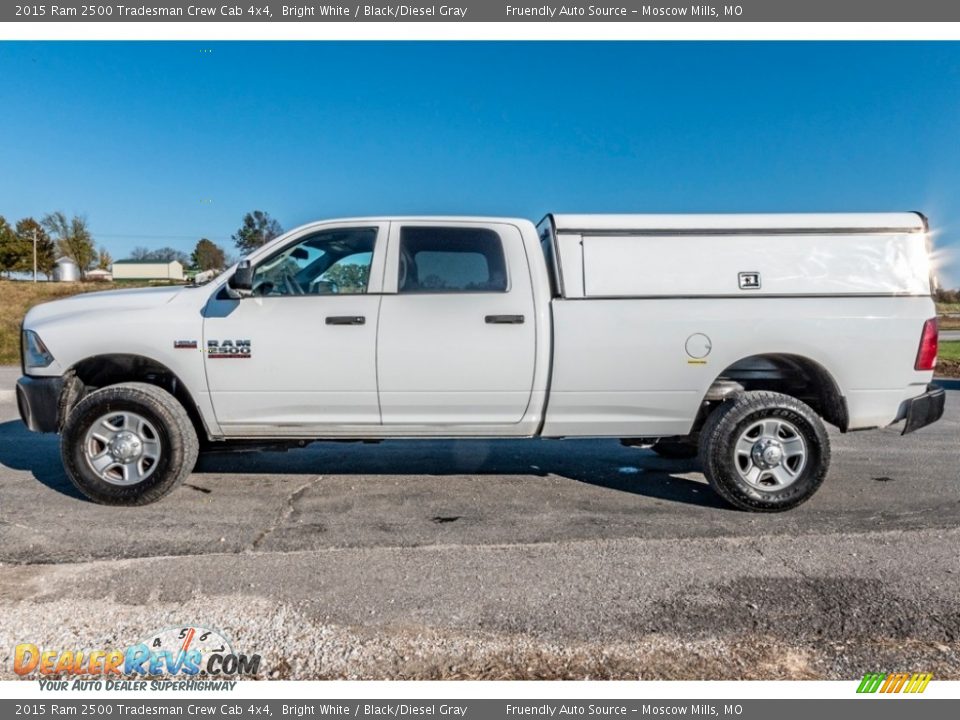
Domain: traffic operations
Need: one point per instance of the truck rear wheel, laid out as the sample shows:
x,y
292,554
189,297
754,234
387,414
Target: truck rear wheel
x,y
764,451
128,444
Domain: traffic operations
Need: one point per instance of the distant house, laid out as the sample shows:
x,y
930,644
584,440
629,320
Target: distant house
x,y
147,270
99,275
65,270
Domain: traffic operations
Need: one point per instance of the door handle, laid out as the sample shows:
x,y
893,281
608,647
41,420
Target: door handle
x,y
504,319
346,320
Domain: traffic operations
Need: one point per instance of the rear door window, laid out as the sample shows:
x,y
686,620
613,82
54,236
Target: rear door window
x,y
451,260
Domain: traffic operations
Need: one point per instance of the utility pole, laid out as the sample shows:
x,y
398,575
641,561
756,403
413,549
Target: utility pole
x,y
34,254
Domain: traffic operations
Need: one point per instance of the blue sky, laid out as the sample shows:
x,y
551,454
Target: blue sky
x,y
163,143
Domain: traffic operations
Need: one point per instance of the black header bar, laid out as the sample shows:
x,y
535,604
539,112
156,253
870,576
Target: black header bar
x,y
857,11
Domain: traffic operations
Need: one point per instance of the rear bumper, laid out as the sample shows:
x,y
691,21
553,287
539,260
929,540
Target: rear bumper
x,y
38,400
924,409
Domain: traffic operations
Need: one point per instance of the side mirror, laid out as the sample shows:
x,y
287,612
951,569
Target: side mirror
x,y
242,280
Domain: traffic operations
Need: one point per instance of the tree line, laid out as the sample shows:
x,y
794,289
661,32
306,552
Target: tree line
x,y
56,236
947,296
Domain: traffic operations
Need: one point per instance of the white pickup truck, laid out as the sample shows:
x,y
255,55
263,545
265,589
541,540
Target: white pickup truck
x,y
732,336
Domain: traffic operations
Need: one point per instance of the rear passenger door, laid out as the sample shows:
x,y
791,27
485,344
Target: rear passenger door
x,y
457,337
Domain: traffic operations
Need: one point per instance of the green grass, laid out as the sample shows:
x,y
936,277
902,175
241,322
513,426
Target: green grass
x,y
950,350
948,359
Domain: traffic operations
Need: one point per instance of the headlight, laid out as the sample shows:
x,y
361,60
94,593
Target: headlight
x,y
35,353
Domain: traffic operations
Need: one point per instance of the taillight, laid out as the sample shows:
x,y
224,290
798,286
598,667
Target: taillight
x,y
927,354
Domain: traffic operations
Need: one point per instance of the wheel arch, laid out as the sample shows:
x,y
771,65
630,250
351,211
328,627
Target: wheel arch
x,y
99,371
791,374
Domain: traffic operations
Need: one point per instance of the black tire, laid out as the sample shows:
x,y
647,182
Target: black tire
x,y
174,432
735,416
675,449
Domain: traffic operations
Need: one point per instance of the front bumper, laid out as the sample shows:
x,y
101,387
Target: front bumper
x,y
924,409
38,400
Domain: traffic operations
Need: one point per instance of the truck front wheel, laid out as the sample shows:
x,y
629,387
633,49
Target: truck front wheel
x,y
128,444
764,451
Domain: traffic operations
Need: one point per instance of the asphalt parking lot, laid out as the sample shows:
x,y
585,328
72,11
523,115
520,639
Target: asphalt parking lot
x,y
433,559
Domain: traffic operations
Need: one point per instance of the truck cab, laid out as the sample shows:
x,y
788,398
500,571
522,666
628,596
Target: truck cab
x,y
384,328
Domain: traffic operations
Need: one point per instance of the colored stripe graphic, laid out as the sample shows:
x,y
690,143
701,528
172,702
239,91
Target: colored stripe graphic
x,y
918,683
894,683
871,682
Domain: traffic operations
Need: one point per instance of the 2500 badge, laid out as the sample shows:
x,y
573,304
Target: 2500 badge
x,y
217,349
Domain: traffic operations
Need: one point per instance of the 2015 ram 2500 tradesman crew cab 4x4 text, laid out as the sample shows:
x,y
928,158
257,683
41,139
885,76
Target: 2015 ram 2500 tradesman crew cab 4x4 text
x,y
735,336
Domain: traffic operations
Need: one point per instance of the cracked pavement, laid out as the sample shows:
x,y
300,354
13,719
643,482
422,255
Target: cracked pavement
x,y
285,512
500,559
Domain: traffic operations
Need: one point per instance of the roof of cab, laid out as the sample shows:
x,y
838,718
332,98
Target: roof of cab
x,y
417,218
832,222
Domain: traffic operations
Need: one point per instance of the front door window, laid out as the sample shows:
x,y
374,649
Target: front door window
x,y
330,262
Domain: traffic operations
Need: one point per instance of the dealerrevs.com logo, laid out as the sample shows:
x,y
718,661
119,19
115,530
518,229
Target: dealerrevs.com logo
x,y
178,658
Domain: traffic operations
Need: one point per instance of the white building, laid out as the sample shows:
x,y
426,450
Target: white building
x,y
147,270
99,275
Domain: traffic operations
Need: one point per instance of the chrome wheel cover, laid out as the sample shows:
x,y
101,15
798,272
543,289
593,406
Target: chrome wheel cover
x,y
122,448
770,454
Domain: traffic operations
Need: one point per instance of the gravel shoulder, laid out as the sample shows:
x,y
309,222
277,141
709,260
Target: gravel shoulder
x,y
758,607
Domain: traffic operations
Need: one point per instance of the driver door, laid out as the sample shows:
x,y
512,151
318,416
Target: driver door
x,y
298,357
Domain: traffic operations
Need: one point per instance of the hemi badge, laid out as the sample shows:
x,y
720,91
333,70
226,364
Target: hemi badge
x,y
184,344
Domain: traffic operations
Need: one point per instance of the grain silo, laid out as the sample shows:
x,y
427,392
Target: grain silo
x,y
66,270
